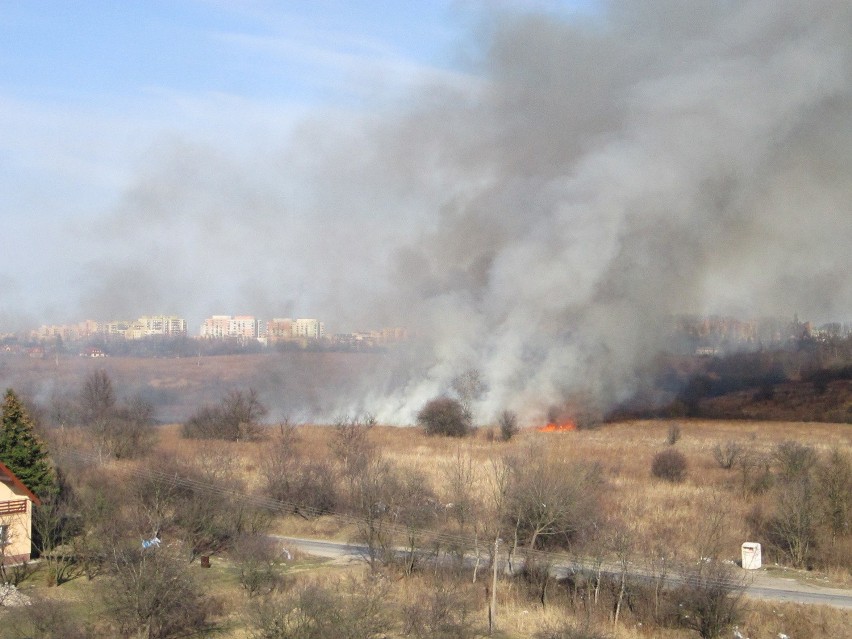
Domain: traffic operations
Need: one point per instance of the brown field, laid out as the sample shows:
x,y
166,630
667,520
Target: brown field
x,y
650,510
711,507
653,509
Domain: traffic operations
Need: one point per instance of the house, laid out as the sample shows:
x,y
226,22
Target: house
x,y
16,511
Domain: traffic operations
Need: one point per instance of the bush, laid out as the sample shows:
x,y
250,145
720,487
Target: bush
x,y
235,417
673,436
45,619
670,465
257,558
795,461
710,601
444,416
726,456
154,595
508,425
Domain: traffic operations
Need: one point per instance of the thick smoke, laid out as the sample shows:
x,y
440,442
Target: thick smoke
x,y
540,218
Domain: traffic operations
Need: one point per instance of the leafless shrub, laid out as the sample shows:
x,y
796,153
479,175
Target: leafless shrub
x,y
258,560
280,461
792,529
312,611
549,503
375,496
834,481
508,423
710,601
151,594
45,619
446,611
315,489
756,473
351,447
728,455
674,434
235,418
794,460
669,464
121,430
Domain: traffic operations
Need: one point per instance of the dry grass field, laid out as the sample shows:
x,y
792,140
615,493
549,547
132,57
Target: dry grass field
x,y
710,501
638,518
710,507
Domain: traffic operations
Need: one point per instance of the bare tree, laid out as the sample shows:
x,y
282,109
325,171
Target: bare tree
x,y
97,398
834,482
53,528
376,490
469,387
461,508
416,510
236,417
151,595
280,461
351,447
120,430
259,560
551,502
710,600
793,526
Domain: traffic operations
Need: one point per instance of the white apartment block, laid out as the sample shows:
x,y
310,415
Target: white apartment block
x,y
221,326
166,325
310,328
68,332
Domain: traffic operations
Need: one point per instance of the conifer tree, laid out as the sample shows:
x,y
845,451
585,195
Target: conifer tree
x,y
22,451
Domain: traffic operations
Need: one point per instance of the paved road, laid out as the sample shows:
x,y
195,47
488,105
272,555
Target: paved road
x,y
759,585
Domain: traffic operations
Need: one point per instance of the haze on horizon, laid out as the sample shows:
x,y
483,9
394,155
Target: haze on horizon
x,y
530,187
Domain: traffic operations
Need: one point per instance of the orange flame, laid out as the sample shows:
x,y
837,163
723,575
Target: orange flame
x,y
561,427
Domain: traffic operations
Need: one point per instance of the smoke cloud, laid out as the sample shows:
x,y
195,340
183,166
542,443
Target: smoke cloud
x,y
536,219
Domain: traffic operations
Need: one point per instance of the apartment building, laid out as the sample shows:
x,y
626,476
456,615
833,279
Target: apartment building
x,y
284,328
279,329
310,328
67,332
222,326
165,325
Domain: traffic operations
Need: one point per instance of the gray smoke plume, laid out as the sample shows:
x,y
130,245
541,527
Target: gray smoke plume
x,y
539,218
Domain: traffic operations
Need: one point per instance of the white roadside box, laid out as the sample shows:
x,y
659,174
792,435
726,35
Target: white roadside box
x,y
751,555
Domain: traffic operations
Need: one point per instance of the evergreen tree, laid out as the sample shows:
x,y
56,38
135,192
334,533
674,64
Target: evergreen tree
x,y
22,450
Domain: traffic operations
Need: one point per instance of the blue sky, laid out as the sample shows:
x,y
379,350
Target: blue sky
x,y
65,52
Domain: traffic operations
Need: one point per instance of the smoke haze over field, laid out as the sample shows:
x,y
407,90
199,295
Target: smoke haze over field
x,y
535,213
